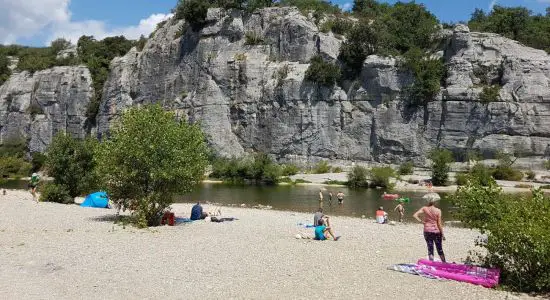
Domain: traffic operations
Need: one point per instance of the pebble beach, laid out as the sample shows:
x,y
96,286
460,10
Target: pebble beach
x,y
53,251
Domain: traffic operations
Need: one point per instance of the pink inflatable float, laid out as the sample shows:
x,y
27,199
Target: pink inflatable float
x,y
465,273
390,196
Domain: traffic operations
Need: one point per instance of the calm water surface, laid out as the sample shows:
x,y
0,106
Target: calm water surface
x,y
298,198
306,199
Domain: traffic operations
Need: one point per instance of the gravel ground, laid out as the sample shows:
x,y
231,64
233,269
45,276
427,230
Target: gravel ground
x,y
51,251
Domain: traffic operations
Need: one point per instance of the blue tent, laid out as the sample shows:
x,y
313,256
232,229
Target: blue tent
x,y
97,200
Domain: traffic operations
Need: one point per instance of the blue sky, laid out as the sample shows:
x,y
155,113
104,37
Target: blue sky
x,y
36,22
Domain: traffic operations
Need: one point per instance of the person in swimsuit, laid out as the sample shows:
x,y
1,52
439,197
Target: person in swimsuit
x,y
330,198
433,228
321,198
340,197
400,209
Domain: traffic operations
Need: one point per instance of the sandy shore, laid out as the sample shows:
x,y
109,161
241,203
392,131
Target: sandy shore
x,y
52,251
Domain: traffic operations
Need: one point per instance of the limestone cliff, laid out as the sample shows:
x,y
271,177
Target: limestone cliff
x,y
242,78
34,107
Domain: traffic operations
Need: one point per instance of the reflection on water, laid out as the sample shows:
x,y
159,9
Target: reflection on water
x,y
297,198
306,199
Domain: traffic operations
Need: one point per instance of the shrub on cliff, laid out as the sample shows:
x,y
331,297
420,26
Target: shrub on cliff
x,y
70,162
517,232
428,73
490,94
149,157
193,11
441,160
5,71
357,178
322,72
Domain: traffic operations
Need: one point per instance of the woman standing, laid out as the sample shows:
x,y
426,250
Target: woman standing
x,y
433,230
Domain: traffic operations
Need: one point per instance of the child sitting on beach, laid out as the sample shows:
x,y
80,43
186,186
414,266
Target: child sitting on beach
x,y
381,216
324,232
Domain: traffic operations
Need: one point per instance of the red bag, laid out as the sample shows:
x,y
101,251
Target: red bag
x,y
168,219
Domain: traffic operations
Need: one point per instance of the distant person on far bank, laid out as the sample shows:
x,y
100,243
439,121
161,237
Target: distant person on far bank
x,y
197,212
340,196
33,184
433,228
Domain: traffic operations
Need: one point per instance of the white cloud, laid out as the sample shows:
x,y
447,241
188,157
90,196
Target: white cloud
x,y
26,19
346,6
73,30
492,4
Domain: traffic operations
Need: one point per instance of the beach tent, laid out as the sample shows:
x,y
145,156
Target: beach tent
x,y
97,200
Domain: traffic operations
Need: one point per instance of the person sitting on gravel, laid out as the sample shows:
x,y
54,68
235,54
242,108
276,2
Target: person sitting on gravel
x,y
324,232
381,216
197,213
318,216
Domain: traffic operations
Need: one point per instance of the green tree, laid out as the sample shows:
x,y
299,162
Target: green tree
x,y
441,160
357,178
193,11
362,41
322,72
70,162
380,177
59,44
149,157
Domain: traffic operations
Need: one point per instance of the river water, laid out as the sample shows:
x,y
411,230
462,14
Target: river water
x,y
298,198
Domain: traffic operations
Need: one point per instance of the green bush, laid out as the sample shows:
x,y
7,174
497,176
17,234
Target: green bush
x,y
338,26
71,163
253,38
322,72
5,71
150,157
357,178
441,158
507,173
362,41
318,6
14,167
531,175
428,73
490,94
481,174
337,170
259,169
289,170
51,192
299,180
461,179
406,168
518,238
546,164
380,177
38,160
322,167
335,182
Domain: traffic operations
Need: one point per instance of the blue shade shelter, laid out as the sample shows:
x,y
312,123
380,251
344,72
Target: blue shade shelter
x,y
96,200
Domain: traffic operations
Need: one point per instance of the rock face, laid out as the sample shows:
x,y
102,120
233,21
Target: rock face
x,y
242,78
34,107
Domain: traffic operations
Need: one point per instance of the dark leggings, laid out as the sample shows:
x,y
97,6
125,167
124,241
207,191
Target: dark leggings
x,y
431,238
